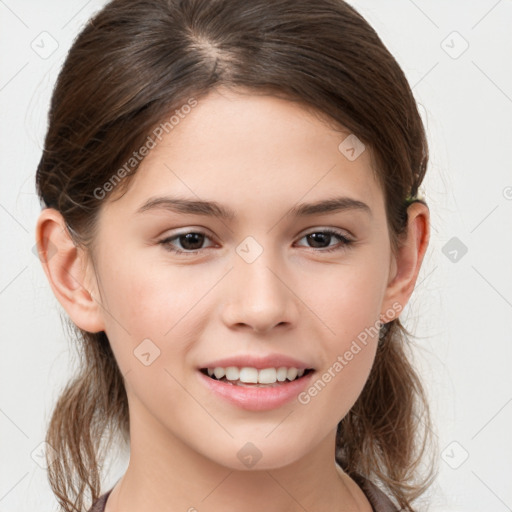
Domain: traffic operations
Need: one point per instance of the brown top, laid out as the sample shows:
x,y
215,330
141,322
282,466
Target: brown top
x,y
378,500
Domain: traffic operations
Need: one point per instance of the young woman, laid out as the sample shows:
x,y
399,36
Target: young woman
x,y
231,222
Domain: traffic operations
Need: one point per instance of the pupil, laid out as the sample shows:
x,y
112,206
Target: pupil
x,y
315,236
191,238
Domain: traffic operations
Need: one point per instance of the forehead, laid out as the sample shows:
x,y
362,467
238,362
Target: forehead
x,y
241,148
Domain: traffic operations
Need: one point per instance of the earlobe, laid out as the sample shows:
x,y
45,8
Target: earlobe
x,y
408,259
66,268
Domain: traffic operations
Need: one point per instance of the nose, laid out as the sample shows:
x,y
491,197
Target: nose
x,y
258,296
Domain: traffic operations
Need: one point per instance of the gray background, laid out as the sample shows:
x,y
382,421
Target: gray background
x,y
458,58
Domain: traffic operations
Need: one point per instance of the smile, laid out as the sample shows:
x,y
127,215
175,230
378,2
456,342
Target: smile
x,y
255,389
251,376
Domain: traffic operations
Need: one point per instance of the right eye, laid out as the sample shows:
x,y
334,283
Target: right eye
x,y
190,241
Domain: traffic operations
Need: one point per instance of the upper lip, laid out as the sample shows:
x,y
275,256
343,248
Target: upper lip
x,y
259,362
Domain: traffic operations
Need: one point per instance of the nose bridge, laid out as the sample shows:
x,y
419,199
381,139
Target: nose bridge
x,y
257,296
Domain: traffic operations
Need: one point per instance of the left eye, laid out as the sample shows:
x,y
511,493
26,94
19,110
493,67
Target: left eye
x,y
319,237
191,242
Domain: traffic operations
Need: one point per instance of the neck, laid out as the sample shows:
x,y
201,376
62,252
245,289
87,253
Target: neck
x,y
167,475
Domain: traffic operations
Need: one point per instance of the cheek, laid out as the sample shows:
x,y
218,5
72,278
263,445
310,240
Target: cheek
x,y
154,300
148,311
337,387
349,302
348,356
149,332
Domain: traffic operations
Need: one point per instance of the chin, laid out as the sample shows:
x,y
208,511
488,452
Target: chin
x,y
257,455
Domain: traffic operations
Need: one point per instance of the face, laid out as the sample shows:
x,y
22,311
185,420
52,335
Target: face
x,y
274,286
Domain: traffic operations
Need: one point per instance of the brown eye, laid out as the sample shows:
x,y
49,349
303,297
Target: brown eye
x,y
191,242
322,239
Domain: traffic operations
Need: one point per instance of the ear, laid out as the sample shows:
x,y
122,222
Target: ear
x,y
69,271
406,263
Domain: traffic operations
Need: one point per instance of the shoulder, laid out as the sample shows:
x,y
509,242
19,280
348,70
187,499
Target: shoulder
x,y
99,504
378,500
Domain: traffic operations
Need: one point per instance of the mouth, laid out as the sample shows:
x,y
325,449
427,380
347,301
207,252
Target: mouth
x,y
254,377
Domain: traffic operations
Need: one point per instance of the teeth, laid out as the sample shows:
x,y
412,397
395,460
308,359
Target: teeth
x,y
267,376
282,373
218,372
250,375
292,373
232,373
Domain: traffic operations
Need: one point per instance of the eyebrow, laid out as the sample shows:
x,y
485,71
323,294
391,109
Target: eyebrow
x,y
214,209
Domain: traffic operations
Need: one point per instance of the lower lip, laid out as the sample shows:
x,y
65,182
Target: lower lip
x,y
257,398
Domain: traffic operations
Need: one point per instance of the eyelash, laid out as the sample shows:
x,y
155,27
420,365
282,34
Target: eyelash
x,y
346,242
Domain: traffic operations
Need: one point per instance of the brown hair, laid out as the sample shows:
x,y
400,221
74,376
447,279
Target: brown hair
x,y
137,60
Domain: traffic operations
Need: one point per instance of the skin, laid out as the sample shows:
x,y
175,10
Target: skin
x,y
244,151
